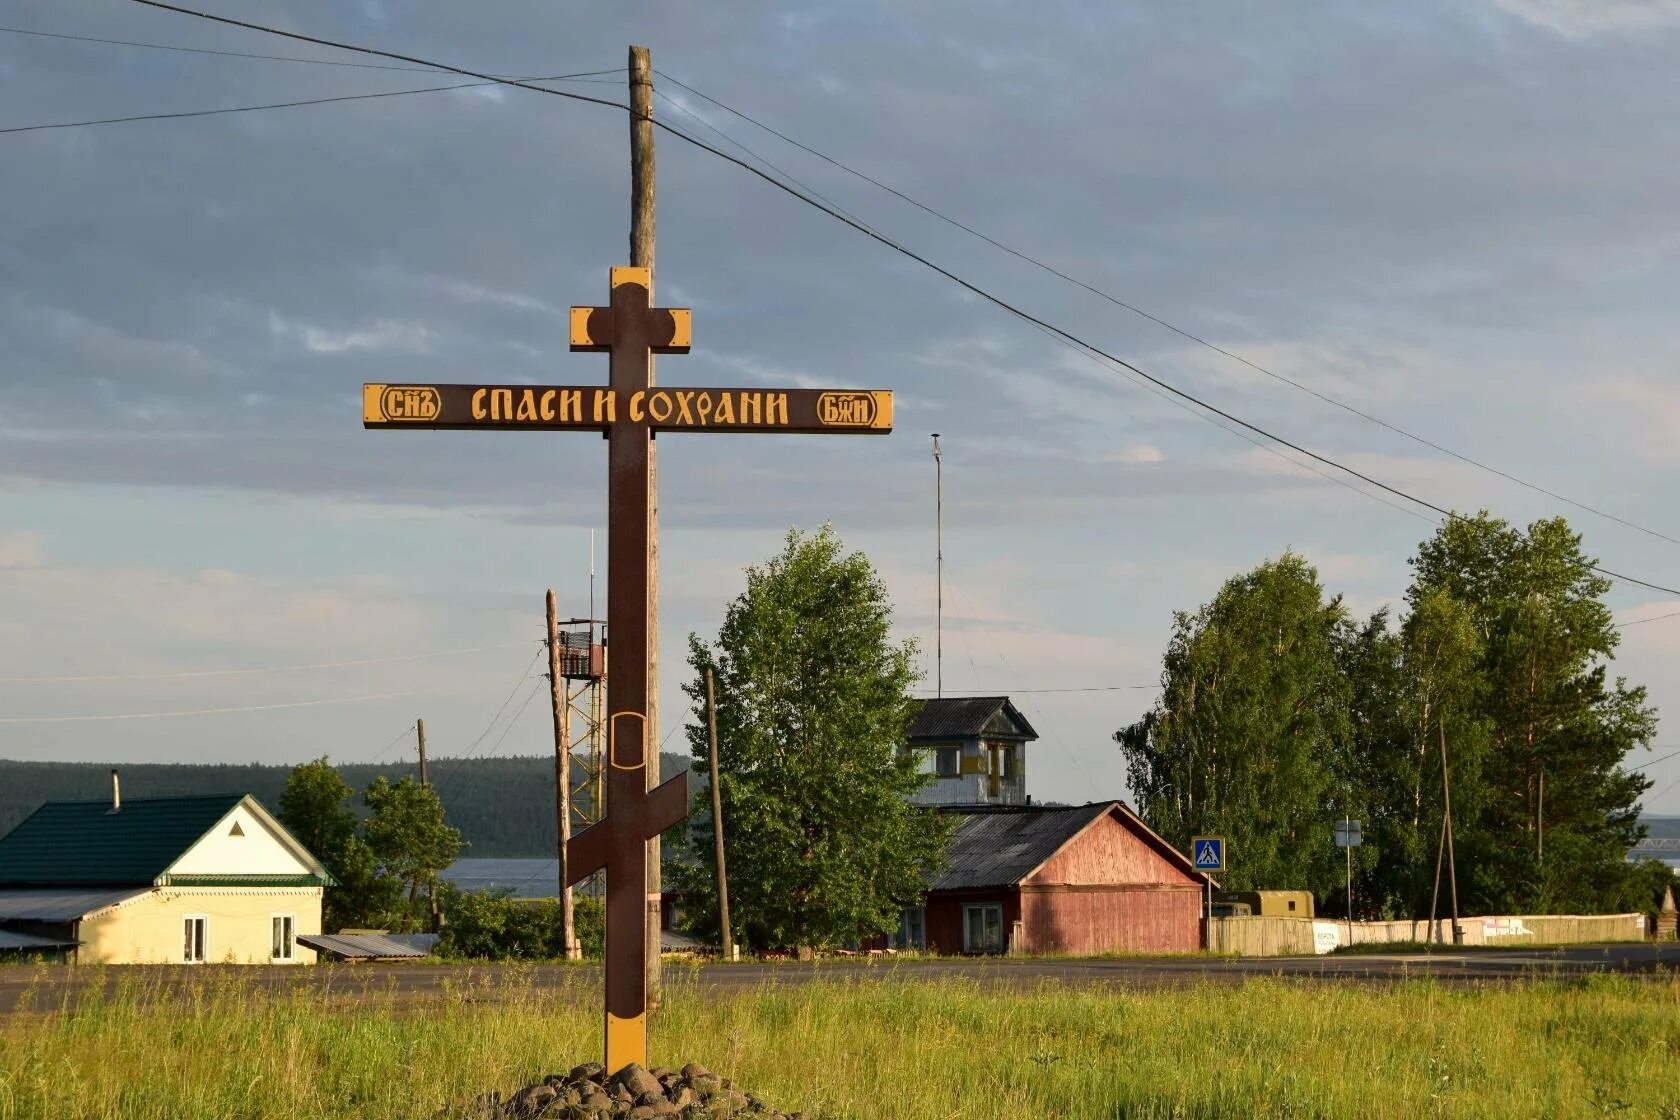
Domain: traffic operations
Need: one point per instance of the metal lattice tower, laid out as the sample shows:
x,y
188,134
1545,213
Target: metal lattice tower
x,y
583,665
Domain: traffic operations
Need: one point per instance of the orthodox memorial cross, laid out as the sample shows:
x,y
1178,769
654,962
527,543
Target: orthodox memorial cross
x,y
629,410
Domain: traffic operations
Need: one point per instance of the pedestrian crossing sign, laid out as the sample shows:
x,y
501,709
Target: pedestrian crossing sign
x,y
1208,852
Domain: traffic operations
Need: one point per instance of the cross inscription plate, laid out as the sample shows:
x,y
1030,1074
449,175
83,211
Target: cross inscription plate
x,y
628,410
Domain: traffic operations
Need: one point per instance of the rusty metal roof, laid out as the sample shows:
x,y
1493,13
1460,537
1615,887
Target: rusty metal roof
x,y
969,717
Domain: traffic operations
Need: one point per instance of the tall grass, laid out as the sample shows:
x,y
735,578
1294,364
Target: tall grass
x,y
219,1046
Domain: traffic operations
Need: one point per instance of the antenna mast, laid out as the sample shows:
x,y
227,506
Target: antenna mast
x,y
939,571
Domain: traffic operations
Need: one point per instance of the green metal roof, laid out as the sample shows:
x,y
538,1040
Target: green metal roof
x,y
84,842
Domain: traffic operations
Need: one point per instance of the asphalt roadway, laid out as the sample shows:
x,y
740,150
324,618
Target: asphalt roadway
x,y
58,986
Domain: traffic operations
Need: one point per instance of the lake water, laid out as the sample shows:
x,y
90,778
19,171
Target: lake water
x,y
525,878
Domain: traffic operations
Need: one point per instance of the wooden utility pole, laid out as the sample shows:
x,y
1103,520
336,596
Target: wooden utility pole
x,y
1435,891
420,734
1446,804
641,256
939,570
562,776
717,824
425,783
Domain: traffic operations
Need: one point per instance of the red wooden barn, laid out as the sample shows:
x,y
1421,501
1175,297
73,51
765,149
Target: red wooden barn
x,y
1059,879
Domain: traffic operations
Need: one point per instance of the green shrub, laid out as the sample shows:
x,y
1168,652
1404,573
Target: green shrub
x,y
494,926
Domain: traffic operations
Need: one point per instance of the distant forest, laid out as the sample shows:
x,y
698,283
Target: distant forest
x,y
504,807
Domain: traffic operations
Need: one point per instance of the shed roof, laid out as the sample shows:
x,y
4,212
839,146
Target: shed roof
x,y
11,940
360,946
62,905
968,717
1000,846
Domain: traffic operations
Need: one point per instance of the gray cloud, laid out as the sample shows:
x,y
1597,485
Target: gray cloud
x,y
1455,213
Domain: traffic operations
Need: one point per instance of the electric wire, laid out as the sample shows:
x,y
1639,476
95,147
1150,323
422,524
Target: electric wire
x,y
199,673
1159,321
212,711
459,773
260,108
1643,621
472,748
261,57
400,736
1295,463
1659,759
1026,257
890,243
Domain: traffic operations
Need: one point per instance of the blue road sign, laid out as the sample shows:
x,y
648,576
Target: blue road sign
x,y
1208,852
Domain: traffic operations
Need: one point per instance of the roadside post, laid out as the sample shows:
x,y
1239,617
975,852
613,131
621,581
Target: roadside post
x,y
1348,837
1207,854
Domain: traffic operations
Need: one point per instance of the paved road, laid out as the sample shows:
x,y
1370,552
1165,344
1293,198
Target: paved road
x,y
52,987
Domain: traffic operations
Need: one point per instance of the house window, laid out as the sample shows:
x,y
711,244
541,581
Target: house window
x,y
1007,763
912,929
283,940
983,928
193,939
949,761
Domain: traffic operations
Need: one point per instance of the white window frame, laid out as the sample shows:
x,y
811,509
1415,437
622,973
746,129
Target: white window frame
x,y
290,941
969,910
938,756
203,945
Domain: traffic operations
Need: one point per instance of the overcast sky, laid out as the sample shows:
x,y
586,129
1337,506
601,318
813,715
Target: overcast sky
x,y
1459,216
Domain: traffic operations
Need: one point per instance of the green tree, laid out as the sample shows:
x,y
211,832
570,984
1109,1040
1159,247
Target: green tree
x,y
1550,812
408,838
314,808
1248,739
812,706
493,925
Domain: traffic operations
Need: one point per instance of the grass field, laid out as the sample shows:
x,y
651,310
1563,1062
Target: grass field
x,y
874,1049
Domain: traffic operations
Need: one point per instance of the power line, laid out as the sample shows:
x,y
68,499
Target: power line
x,y
1156,319
1297,464
252,672
524,675
400,736
960,281
261,57
1643,621
268,105
1654,761
213,711
375,52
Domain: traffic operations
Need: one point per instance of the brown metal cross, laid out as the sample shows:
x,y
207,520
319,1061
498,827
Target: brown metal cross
x,y
629,410
630,331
